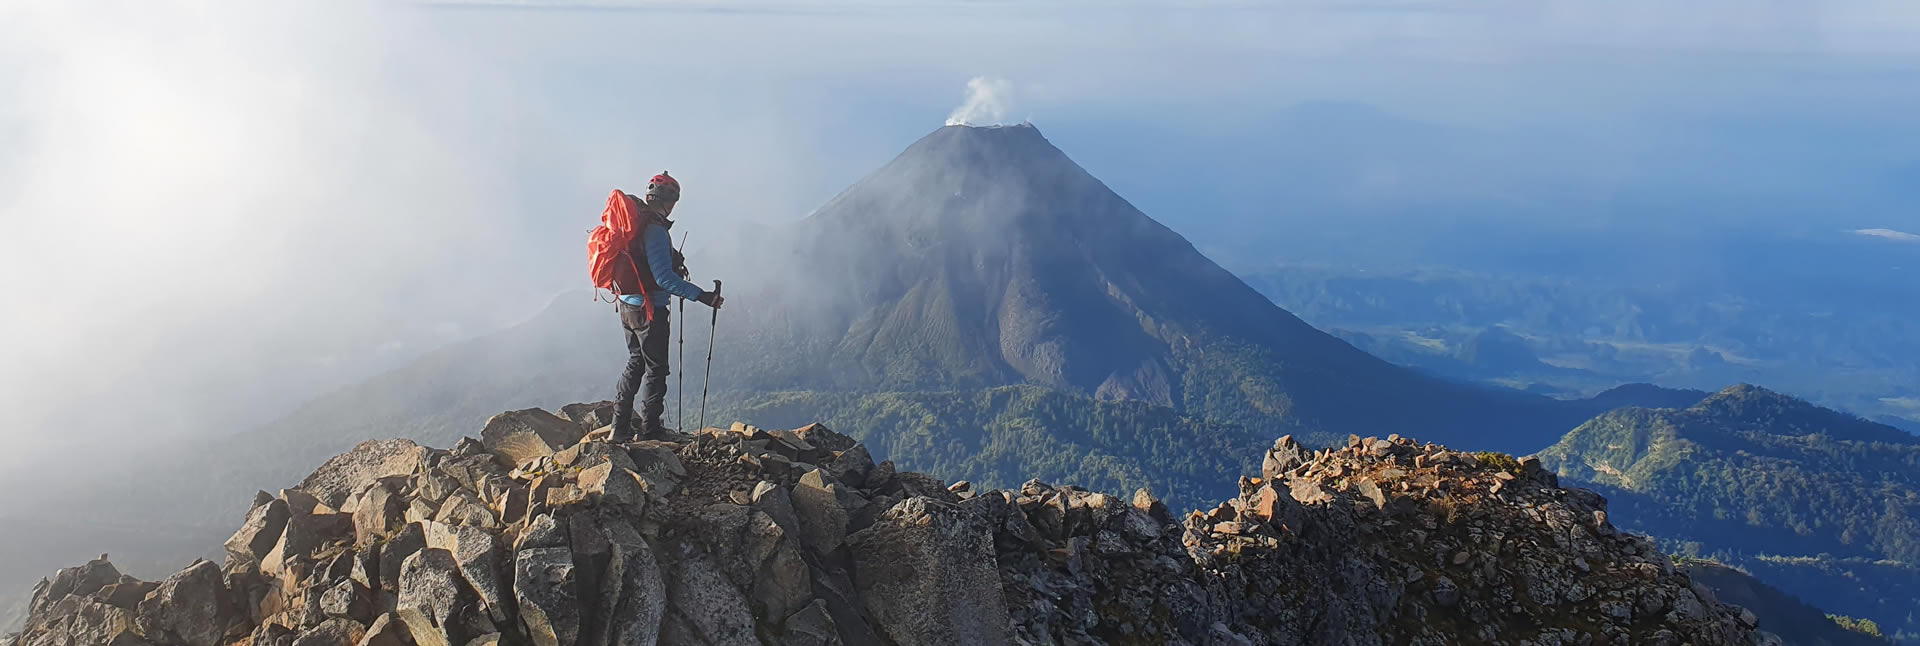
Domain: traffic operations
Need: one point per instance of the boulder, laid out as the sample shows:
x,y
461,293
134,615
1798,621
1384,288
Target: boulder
x,y
825,507
633,598
589,416
78,621
352,472
658,466
82,581
811,626
701,596
192,608
613,487
387,630
517,436
929,575
259,532
544,586
480,563
380,511
432,596
394,553
1285,456
304,535
332,632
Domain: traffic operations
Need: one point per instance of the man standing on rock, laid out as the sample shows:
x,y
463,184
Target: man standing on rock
x,y
661,274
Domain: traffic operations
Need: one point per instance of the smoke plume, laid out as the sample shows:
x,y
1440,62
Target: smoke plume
x,y
988,101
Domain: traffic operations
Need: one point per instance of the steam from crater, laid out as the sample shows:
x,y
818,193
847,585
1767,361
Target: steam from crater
x,y
988,102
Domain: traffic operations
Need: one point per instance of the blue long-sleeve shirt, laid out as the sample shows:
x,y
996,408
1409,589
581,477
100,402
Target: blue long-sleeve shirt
x,y
659,247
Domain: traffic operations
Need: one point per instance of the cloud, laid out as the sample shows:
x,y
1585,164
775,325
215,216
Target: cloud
x,y
988,102
1889,234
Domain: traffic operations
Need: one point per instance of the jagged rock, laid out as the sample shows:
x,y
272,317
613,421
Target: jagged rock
x,y
432,598
192,608
480,563
544,585
610,485
634,595
82,580
929,577
259,532
332,632
589,416
347,600
825,508
1286,455
380,511
775,537
78,621
703,598
811,626
517,436
658,466
352,472
304,535
386,630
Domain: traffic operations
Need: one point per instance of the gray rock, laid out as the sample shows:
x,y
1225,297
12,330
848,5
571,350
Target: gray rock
x,y
304,535
332,632
824,508
810,626
1285,456
352,472
517,436
380,511
613,487
259,532
192,608
432,596
633,593
709,604
481,564
82,580
658,466
928,575
394,553
78,621
386,630
544,585
782,583
347,600
589,416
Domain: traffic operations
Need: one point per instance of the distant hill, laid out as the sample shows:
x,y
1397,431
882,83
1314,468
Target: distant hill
x,y
1748,473
1779,613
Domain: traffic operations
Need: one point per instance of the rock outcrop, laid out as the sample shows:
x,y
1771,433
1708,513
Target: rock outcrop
x,y
534,536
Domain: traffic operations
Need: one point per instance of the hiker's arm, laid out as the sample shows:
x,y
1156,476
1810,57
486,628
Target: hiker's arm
x,y
660,260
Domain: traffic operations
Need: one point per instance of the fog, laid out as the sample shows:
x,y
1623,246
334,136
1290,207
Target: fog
x,y
214,211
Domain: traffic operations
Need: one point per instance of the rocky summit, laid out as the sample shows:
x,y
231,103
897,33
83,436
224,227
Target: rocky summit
x,y
541,533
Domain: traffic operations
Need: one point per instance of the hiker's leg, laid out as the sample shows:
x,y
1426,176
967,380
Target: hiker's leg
x,y
653,347
630,378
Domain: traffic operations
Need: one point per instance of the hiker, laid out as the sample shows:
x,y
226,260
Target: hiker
x,y
643,286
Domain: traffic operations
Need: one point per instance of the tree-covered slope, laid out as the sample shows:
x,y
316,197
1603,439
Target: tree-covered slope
x,y
1823,505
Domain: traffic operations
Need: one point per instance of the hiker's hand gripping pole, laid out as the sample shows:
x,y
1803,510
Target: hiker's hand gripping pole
x,y
708,377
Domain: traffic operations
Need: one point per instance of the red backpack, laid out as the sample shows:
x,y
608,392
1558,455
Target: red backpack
x,y
608,243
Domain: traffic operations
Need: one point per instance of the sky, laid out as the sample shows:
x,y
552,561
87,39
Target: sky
x,y
213,211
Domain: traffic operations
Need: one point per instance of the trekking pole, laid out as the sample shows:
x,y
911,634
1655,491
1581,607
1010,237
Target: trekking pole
x,y
708,377
680,415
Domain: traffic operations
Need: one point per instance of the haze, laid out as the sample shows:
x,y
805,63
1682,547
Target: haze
x,y
215,211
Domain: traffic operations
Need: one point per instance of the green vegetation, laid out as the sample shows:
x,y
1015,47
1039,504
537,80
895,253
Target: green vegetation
x,y
999,437
1862,626
1500,461
1750,472
1778,612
